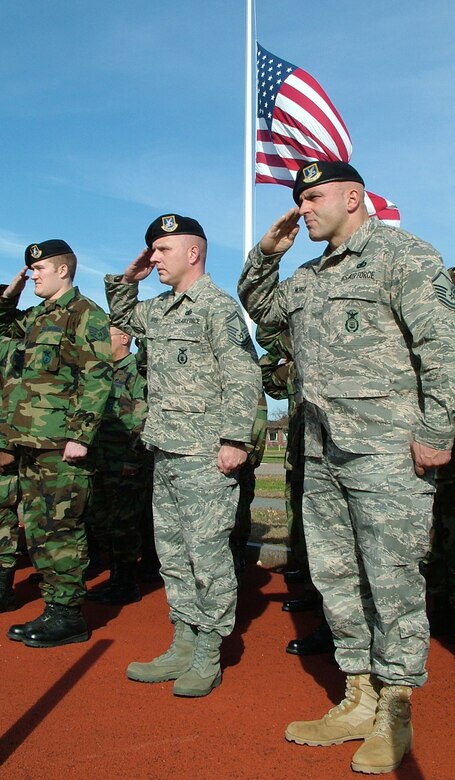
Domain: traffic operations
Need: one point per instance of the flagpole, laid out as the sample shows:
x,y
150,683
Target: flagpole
x,y
248,226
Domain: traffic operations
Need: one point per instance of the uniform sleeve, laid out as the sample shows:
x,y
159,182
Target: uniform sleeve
x,y
13,322
260,291
423,298
240,375
94,367
125,311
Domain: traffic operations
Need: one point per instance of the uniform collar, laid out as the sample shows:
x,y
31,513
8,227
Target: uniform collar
x,y
355,244
63,300
192,293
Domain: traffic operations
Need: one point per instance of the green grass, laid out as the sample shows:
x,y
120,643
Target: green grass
x,y
270,485
273,456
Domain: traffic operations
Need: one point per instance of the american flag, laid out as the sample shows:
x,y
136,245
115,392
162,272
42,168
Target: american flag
x,y
297,123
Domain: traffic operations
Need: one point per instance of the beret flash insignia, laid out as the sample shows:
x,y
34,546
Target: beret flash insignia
x,y
311,173
169,224
35,251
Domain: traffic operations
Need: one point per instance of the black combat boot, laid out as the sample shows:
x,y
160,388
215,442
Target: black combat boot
x,y
96,593
126,589
58,625
8,601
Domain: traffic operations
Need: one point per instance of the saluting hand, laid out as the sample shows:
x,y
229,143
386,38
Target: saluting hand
x,y
140,268
17,285
280,237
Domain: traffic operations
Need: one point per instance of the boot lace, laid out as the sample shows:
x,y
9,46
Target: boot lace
x,y
349,698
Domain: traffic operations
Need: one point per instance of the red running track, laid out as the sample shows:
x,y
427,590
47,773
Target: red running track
x,y
70,713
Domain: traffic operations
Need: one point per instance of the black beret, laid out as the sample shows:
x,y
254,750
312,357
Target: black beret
x,y
51,248
321,172
173,224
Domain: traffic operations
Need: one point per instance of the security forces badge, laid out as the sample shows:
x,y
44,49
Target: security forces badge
x,y
35,252
169,223
444,288
310,173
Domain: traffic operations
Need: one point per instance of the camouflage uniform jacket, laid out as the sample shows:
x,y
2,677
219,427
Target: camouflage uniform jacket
x,y
372,327
7,350
203,377
65,369
123,418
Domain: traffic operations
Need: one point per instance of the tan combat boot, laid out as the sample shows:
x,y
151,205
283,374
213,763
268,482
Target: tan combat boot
x,y
171,664
353,718
391,736
205,672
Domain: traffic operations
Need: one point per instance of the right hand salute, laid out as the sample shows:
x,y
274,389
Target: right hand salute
x,y
280,237
17,285
140,268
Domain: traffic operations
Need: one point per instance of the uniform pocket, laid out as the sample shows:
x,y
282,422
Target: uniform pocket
x,y
352,314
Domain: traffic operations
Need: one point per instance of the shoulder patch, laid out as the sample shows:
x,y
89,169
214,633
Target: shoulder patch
x,y
237,329
444,288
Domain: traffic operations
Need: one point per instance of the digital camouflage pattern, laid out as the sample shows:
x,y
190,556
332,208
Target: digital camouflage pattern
x,y
65,370
203,378
370,581
203,386
371,323
363,318
192,539
117,505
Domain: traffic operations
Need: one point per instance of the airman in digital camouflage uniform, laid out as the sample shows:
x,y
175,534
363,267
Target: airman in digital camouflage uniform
x,y
9,488
203,390
54,411
117,503
372,322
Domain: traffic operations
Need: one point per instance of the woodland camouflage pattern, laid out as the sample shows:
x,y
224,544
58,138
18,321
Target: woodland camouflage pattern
x,y
61,380
9,487
64,363
201,365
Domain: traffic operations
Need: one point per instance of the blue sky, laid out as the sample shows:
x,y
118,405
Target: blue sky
x,y
115,113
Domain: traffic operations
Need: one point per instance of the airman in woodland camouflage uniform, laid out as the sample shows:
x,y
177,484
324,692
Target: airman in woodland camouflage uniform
x,y
117,503
203,390
54,411
372,324
9,487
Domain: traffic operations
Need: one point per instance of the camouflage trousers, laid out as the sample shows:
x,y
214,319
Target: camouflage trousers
x,y
9,523
367,520
54,495
114,513
194,508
